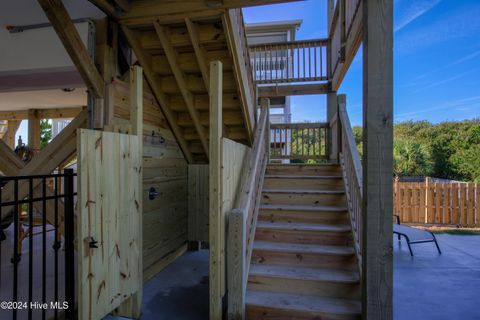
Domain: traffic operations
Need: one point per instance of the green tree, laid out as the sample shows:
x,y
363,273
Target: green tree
x,y
45,132
410,158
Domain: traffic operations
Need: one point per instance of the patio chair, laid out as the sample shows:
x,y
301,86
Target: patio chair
x,y
413,235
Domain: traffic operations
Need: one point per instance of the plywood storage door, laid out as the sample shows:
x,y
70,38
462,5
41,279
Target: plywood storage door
x,y
108,222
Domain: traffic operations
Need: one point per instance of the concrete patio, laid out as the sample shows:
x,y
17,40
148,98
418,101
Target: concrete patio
x,y
432,286
427,286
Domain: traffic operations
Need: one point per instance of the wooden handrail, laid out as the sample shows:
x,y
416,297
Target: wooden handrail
x,y
243,218
352,176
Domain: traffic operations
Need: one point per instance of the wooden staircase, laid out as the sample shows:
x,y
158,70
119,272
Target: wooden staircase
x,y
303,262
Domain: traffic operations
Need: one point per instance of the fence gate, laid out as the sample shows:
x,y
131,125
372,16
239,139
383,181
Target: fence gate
x,y
109,222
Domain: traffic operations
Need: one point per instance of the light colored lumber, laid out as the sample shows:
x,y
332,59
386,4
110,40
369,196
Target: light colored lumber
x,y
200,52
52,113
9,136
144,60
377,208
215,190
271,305
182,84
33,131
292,90
236,277
69,36
236,39
109,176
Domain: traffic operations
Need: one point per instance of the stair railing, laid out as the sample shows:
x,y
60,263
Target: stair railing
x,y
352,175
242,220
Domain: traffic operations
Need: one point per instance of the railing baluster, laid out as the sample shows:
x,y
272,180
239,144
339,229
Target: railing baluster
x,y
30,247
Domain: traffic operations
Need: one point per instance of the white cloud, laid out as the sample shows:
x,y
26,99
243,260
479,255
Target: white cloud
x,y
409,10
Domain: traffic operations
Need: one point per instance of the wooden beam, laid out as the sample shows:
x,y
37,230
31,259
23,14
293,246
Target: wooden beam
x,y
236,40
105,6
10,163
147,8
182,84
200,52
292,90
9,136
55,153
377,266
215,190
125,5
236,249
52,113
68,34
145,61
33,131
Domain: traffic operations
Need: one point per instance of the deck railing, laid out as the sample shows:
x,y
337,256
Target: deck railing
x,y
286,62
342,22
242,220
352,175
299,142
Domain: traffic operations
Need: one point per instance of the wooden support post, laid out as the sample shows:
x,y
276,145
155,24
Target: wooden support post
x,y
215,189
377,280
132,307
9,137
236,277
265,107
333,135
33,131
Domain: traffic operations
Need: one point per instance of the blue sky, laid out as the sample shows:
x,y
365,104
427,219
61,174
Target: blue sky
x,y
436,59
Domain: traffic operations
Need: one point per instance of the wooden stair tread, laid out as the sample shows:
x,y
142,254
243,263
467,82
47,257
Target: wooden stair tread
x,y
303,191
303,248
296,226
296,207
293,176
304,273
303,303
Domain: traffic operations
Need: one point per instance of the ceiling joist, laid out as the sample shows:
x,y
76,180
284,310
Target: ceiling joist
x,y
145,60
182,84
68,34
199,50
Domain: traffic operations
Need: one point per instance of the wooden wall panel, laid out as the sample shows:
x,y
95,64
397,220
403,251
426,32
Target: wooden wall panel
x,y
165,169
198,202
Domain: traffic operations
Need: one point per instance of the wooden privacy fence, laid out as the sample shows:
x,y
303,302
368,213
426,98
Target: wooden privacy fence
x,y
438,202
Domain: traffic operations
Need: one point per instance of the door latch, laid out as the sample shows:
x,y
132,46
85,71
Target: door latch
x,y
152,193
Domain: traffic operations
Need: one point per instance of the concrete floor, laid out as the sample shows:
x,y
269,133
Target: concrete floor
x,y
427,286
180,291
432,286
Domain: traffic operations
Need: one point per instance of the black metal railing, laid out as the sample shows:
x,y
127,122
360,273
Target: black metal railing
x,y
39,209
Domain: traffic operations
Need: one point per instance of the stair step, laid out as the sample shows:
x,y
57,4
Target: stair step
x,y
304,248
303,214
303,255
303,191
304,280
304,273
304,197
295,207
272,305
315,182
305,233
303,169
282,176
303,226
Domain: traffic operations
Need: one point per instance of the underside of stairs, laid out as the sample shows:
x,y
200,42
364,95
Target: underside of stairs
x,y
303,262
